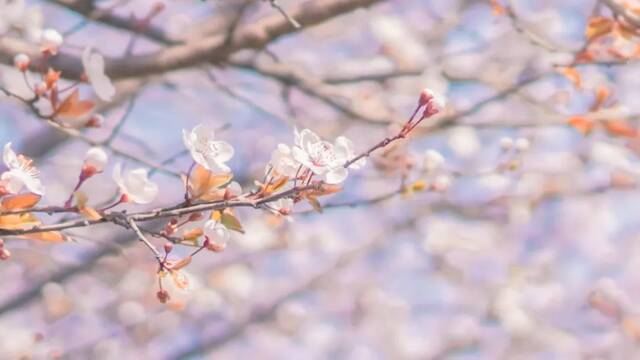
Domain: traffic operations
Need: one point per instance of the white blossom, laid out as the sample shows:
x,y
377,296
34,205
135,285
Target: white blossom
x,y
135,185
94,68
209,153
21,173
322,157
283,162
506,143
522,144
216,233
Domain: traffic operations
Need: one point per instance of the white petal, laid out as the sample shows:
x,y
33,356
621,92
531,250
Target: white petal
x,y
336,175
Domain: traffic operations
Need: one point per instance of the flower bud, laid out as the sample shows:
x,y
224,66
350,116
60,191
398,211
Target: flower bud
x,y
425,96
168,247
195,216
21,61
95,121
1,243
94,162
51,41
506,143
163,296
5,254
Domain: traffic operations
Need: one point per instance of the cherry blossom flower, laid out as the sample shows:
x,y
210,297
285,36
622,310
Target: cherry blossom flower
x,y
135,186
324,158
94,68
21,173
209,153
51,40
433,160
216,235
283,162
433,101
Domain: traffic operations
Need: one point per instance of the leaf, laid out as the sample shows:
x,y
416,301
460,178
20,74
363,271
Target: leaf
x,y
598,26
315,204
20,201
18,221
497,8
86,211
204,183
49,236
602,94
582,123
192,235
572,74
179,264
620,128
325,189
231,222
272,187
72,107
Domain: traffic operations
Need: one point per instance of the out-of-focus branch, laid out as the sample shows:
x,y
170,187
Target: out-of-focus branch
x,y
209,49
621,10
262,311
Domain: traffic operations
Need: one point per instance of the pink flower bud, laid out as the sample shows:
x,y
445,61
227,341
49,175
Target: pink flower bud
x,y
168,247
22,61
94,162
163,296
425,96
95,121
5,254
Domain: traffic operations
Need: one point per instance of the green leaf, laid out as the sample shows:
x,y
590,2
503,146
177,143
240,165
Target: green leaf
x,y
231,222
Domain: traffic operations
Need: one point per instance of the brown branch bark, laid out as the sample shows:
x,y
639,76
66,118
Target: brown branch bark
x,y
209,49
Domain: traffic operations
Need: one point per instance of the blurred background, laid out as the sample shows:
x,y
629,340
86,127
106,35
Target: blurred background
x,y
522,245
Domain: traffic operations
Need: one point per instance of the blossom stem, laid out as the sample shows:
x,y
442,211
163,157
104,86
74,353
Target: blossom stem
x,y
81,180
122,199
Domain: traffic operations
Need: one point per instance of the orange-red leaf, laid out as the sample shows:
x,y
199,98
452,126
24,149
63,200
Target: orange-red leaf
x,y
598,26
620,128
572,74
203,184
19,201
582,123
72,107
49,236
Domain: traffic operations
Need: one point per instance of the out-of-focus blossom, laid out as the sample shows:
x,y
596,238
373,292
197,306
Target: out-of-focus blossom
x,y
282,206
21,173
135,185
209,153
16,15
506,143
522,144
283,162
51,40
94,69
433,160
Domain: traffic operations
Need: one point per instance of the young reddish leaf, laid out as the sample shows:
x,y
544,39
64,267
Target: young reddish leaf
x,y
598,26
86,211
20,201
497,8
49,236
205,185
572,74
620,128
192,235
582,123
315,204
72,107
602,94
179,264
274,186
18,221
